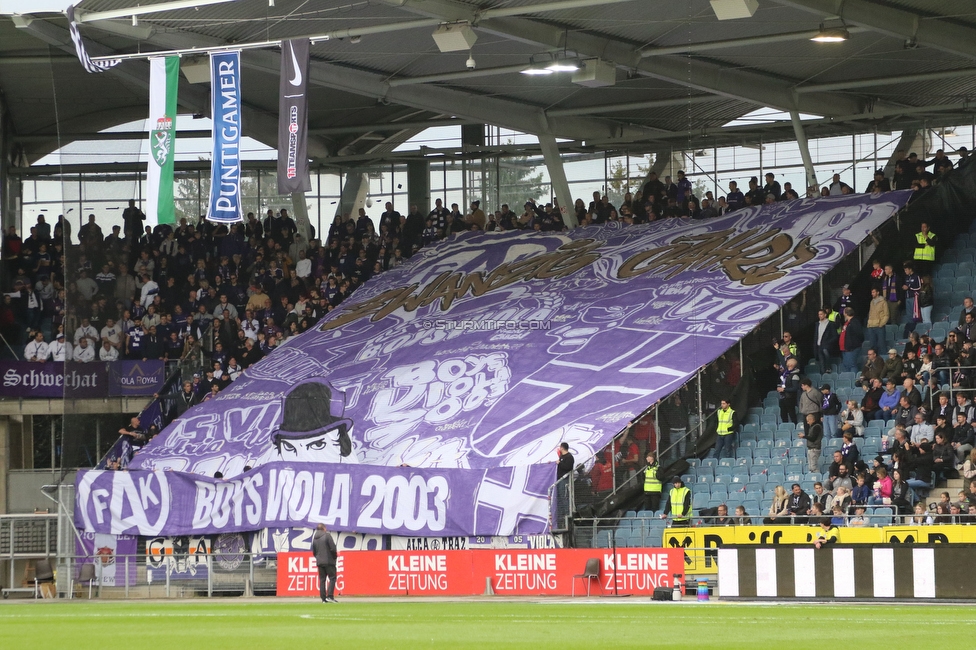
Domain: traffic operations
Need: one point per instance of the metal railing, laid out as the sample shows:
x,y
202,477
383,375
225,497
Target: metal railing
x,y
24,538
575,490
162,575
648,531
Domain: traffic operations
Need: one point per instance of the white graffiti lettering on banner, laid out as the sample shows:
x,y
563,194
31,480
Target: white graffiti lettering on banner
x,y
435,392
397,503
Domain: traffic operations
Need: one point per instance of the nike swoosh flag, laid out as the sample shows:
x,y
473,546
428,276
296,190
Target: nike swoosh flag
x,y
293,118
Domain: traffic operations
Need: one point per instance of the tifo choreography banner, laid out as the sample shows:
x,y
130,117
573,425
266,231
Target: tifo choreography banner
x,y
636,571
398,500
226,110
415,369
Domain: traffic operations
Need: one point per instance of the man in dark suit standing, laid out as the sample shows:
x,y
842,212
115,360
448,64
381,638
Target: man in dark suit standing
x,y
824,340
325,552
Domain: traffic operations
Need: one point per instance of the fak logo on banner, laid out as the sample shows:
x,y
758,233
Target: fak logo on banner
x,y
484,352
225,167
293,118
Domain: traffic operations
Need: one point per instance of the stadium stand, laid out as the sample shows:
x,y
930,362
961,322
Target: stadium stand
x,y
772,453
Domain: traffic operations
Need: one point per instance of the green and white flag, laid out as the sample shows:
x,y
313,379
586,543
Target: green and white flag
x,y
164,78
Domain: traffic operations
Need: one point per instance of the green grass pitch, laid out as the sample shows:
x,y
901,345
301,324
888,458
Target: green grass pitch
x,y
604,623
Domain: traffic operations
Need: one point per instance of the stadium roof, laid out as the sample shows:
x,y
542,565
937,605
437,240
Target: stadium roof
x,y
681,74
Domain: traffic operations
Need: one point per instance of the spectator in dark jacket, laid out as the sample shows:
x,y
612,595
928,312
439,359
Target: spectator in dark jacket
x,y
851,339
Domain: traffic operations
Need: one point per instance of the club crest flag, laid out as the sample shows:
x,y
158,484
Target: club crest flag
x,y
164,79
225,167
293,118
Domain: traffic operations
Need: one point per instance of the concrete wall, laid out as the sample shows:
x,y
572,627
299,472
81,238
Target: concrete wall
x,y
23,488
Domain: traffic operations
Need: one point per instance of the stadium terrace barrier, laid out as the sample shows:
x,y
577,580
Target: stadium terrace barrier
x,y
702,546
864,572
550,572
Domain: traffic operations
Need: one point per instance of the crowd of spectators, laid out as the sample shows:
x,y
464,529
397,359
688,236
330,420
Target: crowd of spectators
x,y
231,294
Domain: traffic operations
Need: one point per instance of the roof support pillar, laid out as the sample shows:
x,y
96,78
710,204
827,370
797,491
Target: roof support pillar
x,y
557,176
353,194
299,209
905,145
801,141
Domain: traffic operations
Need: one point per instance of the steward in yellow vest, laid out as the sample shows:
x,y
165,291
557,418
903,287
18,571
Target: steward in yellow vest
x,y
679,503
652,484
925,242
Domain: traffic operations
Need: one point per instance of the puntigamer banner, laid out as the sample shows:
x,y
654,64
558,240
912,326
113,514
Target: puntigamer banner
x,y
225,165
490,349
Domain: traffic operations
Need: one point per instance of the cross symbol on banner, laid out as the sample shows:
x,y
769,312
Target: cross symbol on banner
x,y
588,381
511,501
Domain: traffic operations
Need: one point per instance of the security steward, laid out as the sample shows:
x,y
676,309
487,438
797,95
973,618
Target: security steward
x,y
925,242
827,533
652,484
679,504
726,427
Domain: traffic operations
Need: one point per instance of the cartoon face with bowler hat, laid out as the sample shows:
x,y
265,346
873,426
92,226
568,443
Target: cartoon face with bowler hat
x,y
313,429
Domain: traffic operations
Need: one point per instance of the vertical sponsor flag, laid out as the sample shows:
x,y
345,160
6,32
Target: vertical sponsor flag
x,y
86,62
293,118
225,169
164,78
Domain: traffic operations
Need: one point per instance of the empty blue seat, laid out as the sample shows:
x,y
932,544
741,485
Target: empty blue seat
x,y
745,448
739,478
709,462
764,444
603,539
700,500
723,470
726,462
881,517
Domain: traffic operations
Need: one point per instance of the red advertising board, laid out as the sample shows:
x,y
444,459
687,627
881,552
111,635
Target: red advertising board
x,y
512,572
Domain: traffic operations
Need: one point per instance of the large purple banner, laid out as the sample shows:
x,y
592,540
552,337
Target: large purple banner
x,y
490,349
399,500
